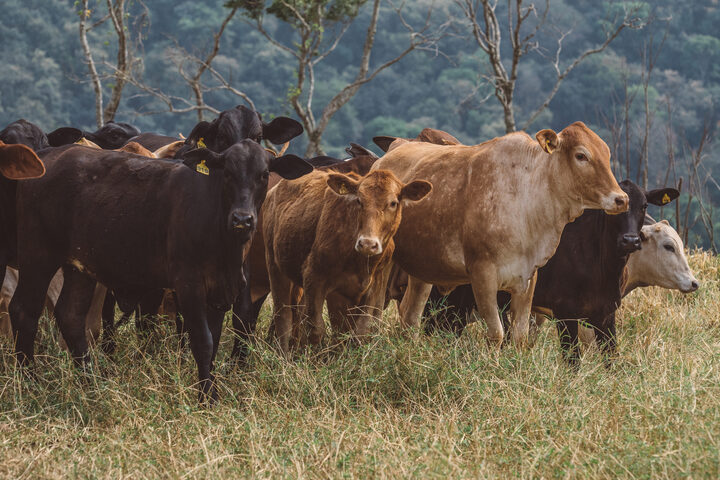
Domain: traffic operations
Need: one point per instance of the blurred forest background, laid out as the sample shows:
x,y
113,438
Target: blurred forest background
x,y
643,75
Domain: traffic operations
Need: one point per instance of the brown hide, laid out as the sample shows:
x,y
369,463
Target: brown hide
x,y
331,233
496,214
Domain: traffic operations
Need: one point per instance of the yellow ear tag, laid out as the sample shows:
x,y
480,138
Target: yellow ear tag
x,y
666,199
202,168
200,143
548,148
343,190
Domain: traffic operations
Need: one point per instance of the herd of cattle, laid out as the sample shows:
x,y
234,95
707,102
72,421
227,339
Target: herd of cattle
x,y
510,231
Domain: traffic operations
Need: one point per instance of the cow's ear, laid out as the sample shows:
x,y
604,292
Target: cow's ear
x,y
342,184
64,136
281,130
384,142
662,196
355,150
548,140
202,160
169,150
289,166
199,134
18,162
665,222
415,190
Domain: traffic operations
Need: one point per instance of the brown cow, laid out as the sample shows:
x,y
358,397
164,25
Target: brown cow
x,y
496,215
332,233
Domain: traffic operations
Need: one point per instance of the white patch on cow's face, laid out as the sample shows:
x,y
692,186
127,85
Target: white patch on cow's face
x,y
662,261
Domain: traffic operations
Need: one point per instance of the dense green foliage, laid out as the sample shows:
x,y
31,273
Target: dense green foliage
x,y
44,78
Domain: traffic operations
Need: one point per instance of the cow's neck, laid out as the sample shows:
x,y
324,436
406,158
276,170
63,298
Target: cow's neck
x,y
546,206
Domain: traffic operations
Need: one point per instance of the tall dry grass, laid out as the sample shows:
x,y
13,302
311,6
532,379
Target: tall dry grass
x,y
396,407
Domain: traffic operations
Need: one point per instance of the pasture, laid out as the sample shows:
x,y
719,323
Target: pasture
x,y
395,407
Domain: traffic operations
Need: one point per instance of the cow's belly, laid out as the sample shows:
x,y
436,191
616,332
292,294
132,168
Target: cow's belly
x,y
433,260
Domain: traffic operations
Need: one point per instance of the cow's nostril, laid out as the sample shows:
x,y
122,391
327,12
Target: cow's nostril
x,y
695,285
243,221
620,201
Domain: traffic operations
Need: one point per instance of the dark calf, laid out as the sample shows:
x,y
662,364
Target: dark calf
x,y
136,226
112,135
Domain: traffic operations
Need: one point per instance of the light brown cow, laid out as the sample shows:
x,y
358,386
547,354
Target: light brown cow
x,y
332,234
496,215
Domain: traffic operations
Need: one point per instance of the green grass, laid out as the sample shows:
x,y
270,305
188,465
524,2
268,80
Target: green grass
x,y
396,407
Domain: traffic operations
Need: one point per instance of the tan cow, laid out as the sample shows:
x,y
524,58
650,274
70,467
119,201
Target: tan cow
x,y
496,215
331,233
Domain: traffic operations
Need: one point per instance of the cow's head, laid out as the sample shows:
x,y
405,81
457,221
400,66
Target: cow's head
x,y
27,133
19,162
585,161
112,135
662,260
240,123
244,169
377,198
627,225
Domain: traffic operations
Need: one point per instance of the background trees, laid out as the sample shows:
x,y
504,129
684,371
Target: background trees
x,y
195,57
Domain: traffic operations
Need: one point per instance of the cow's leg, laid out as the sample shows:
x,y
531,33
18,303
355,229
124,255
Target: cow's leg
x,y
606,337
340,318
520,304
281,287
108,320
202,344
413,302
243,321
484,286
314,293
568,335
25,309
93,319
71,309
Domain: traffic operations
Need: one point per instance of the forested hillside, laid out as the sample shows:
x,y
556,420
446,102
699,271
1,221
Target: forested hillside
x,y
671,58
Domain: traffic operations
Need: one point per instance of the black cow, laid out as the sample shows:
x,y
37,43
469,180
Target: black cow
x,y
581,281
231,126
239,123
112,135
135,226
27,133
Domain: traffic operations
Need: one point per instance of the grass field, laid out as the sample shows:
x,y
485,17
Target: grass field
x,y
397,407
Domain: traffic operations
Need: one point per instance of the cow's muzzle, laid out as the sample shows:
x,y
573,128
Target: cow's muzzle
x,y
629,243
242,221
369,246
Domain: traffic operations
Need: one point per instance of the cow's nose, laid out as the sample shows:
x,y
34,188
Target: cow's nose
x,y
368,246
630,241
243,221
694,285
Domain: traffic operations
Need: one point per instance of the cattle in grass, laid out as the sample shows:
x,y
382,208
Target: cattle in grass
x,y
583,279
496,215
331,233
247,308
135,226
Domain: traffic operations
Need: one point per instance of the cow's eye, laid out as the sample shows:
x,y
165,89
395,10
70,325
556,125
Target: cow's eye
x,y
645,207
393,204
358,201
669,248
580,157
